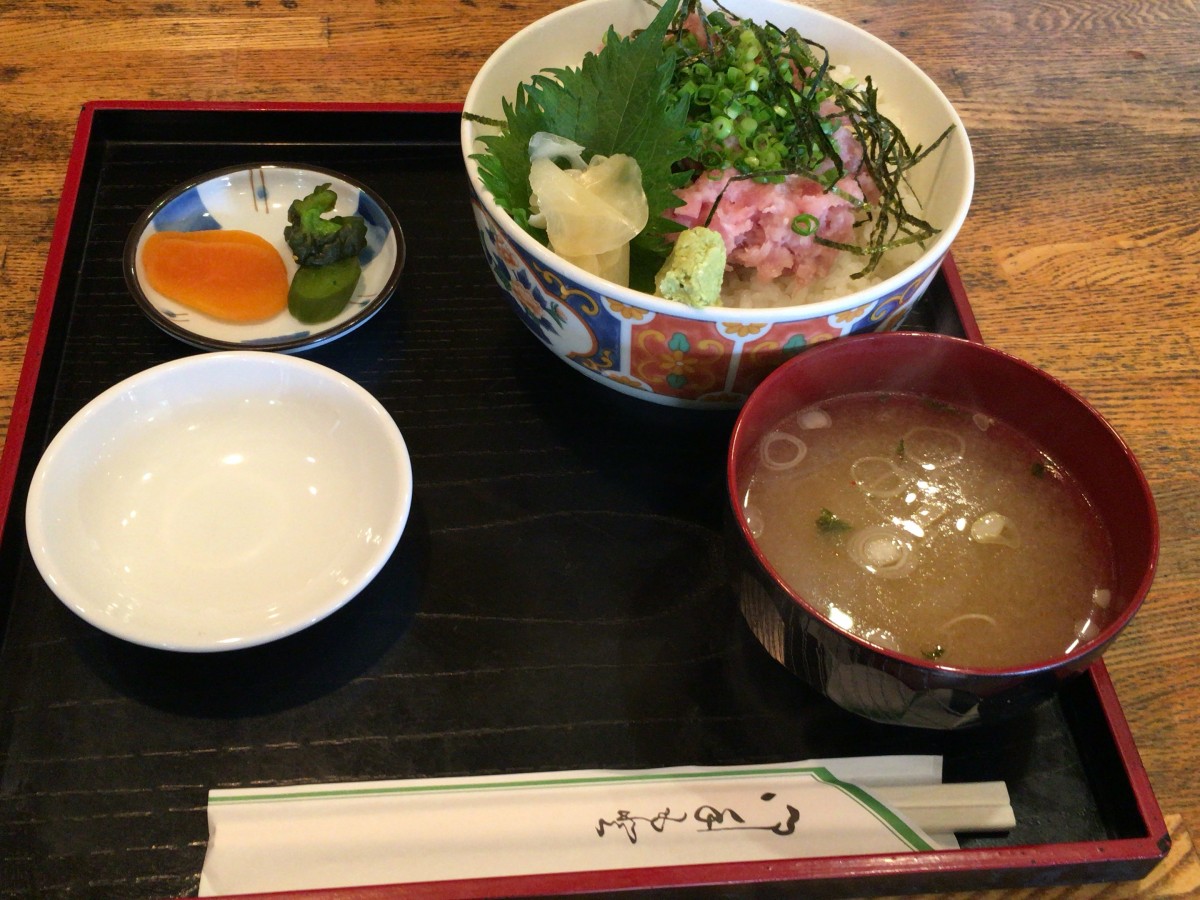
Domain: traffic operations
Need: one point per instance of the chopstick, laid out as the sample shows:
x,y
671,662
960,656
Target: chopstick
x,y
944,808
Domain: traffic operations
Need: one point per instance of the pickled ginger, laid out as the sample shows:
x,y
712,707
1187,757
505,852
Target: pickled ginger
x,y
590,211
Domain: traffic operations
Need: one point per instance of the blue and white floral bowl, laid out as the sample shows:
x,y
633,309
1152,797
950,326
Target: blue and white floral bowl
x,y
667,352
255,197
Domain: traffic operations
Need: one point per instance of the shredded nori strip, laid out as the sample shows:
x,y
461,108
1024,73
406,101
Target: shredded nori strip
x,y
805,131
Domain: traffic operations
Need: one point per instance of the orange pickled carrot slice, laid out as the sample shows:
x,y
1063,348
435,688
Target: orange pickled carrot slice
x,y
231,275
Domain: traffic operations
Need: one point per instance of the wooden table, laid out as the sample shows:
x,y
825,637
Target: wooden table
x,y
1081,253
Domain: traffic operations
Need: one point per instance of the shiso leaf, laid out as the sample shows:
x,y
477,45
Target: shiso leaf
x,y
616,101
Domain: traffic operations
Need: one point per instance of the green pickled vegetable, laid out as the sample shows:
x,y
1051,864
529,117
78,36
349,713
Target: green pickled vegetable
x,y
318,293
326,249
318,241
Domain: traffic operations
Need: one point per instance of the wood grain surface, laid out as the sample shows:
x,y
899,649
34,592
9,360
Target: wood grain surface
x,y
1081,253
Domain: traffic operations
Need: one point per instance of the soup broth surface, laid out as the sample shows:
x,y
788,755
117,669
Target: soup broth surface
x,y
930,530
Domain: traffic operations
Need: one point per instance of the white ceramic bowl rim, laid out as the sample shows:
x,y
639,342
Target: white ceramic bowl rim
x,y
935,250
85,444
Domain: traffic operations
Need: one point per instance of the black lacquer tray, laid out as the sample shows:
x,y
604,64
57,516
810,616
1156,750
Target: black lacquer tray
x,y
558,600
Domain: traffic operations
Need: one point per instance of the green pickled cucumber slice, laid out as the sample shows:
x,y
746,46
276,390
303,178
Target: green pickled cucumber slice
x,y
318,293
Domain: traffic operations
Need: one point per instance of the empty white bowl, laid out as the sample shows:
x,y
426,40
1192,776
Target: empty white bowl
x,y
219,501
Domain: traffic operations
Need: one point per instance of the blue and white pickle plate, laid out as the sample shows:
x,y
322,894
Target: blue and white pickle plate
x,y
256,198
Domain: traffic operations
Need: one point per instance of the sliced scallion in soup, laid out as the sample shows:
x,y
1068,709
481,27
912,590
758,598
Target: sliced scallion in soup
x,y
932,530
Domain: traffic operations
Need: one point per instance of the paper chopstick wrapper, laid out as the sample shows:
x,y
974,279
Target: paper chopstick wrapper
x,y
438,829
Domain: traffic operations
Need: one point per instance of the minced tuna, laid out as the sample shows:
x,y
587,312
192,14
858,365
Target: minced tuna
x,y
756,221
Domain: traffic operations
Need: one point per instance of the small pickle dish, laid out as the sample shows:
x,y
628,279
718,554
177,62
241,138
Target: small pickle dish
x,y
251,202
810,631
711,356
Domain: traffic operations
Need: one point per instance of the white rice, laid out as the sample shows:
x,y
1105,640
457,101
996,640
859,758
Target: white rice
x,y
743,290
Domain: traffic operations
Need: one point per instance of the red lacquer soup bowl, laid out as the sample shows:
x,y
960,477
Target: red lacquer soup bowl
x,y
886,685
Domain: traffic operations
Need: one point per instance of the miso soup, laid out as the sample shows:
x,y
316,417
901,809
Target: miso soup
x,y
930,530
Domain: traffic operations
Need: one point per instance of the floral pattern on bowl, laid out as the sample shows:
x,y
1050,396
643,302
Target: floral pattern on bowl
x,y
676,359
